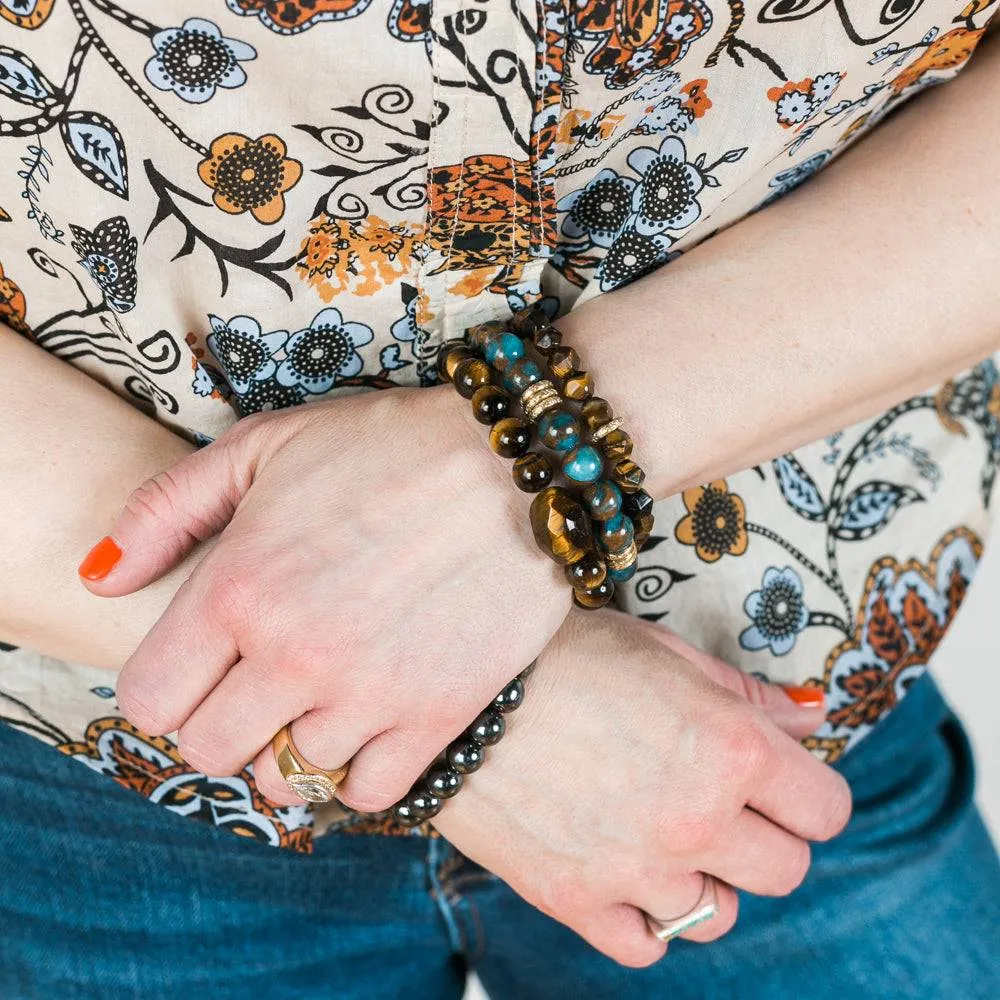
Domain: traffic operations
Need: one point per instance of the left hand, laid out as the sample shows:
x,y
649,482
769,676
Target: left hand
x,y
375,580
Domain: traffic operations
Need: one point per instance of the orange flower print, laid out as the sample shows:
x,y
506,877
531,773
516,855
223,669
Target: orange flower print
x,y
796,103
12,305
698,101
250,175
4,216
952,49
31,14
715,523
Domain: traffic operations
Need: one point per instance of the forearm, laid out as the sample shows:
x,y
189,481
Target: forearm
x,y
71,452
870,283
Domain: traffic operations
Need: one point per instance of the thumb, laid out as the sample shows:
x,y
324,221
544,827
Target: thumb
x,y
164,518
799,711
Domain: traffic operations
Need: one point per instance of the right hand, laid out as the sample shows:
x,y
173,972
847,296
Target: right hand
x,y
635,764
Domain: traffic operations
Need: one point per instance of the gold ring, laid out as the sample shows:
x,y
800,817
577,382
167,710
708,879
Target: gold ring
x,y
307,781
704,910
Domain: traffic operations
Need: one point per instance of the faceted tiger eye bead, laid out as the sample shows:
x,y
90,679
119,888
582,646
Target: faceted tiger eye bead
x,y
470,374
603,500
595,412
466,756
563,361
628,476
586,573
526,321
490,404
502,350
578,386
520,374
559,430
511,696
546,340
510,437
488,728
639,507
560,525
617,534
616,445
479,334
532,472
583,464
643,529
449,357
444,782
595,598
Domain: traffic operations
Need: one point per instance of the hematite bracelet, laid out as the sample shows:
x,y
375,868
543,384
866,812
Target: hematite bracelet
x,y
464,755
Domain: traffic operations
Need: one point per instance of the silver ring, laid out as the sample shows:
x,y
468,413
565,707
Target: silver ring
x,y
704,910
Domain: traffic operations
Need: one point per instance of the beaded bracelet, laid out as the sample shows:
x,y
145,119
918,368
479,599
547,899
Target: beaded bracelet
x,y
561,523
464,755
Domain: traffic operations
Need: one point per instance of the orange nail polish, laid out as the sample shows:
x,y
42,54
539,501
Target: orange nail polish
x,y
808,697
100,560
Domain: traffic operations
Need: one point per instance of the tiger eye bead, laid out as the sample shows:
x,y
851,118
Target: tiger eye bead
x,y
617,534
627,475
449,357
510,437
525,321
490,404
560,525
546,340
559,430
532,472
511,696
583,464
578,386
466,756
595,412
502,350
478,335
639,507
444,782
603,500
488,728
520,374
586,573
470,374
563,361
616,445
643,529
595,598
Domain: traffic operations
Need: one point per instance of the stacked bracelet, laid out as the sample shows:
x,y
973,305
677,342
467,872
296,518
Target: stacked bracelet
x,y
464,755
596,526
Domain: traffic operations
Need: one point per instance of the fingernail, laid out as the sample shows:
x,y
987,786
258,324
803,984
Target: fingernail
x,y
100,560
807,697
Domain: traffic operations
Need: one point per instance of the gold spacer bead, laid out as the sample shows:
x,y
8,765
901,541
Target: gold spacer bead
x,y
611,425
538,398
623,559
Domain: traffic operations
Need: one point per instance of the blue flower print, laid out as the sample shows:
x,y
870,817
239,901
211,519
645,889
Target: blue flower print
x,y
405,328
668,116
656,86
195,58
632,256
325,351
599,211
791,178
667,197
778,611
108,254
244,352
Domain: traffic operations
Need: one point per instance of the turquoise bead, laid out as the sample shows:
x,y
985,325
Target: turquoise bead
x,y
520,374
583,464
603,500
621,575
502,349
617,534
559,430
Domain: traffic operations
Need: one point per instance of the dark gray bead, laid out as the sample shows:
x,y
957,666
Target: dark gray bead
x,y
510,697
444,782
466,756
402,813
423,803
488,728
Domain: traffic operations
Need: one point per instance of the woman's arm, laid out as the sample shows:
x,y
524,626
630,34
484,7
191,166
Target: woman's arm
x,y
71,451
872,282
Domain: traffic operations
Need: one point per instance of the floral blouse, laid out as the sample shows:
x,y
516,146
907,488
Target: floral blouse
x,y
217,207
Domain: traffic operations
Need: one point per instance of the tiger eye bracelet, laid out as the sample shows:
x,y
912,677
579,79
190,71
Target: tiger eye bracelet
x,y
444,779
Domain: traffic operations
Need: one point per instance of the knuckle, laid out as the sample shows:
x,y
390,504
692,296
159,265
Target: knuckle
x,y
743,747
835,809
142,715
694,830
204,755
154,498
369,798
794,870
230,596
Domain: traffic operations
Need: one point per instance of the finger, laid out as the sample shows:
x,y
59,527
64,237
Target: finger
x,y
680,894
620,932
325,739
184,655
239,717
165,517
799,711
798,791
756,855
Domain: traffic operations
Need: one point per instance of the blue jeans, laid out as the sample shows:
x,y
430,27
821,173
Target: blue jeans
x,y
104,895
